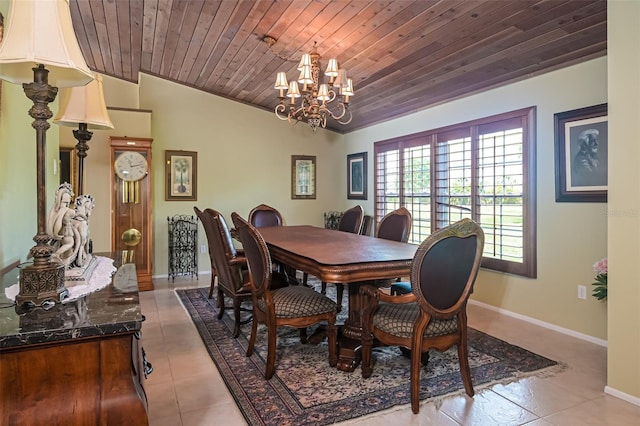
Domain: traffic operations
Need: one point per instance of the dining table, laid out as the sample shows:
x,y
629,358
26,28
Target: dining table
x,y
342,258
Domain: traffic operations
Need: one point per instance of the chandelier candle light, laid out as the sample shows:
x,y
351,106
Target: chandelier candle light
x,y
316,98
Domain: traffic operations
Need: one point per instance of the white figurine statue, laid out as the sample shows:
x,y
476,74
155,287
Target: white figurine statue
x,y
80,223
59,225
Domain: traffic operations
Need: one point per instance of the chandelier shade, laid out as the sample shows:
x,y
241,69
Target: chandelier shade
x,y
41,33
319,101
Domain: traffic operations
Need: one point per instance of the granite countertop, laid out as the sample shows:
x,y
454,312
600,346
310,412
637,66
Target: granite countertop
x,y
111,310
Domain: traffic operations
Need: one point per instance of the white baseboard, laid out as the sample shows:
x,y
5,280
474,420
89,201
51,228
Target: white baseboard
x,y
624,396
550,326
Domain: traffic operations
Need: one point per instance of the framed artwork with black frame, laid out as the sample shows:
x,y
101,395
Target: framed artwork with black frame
x,y
357,176
181,169
582,151
303,177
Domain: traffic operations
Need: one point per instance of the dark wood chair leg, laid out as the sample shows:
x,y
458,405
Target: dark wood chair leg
x,y
252,339
332,334
415,381
323,290
236,315
465,371
303,335
220,302
213,283
339,293
271,351
367,345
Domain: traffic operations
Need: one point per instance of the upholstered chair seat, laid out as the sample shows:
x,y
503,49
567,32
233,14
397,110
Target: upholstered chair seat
x,y
296,301
399,320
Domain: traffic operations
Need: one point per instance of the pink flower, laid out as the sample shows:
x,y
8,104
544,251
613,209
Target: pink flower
x,y
600,267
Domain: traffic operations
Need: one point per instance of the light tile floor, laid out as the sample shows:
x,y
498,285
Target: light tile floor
x,y
186,388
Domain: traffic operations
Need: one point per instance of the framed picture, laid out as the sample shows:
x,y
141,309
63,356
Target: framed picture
x,y
582,151
303,177
357,176
181,168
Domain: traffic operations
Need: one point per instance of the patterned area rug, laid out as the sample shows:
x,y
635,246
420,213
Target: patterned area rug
x,y
305,390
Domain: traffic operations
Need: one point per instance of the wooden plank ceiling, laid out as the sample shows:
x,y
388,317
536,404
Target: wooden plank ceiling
x,y
402,55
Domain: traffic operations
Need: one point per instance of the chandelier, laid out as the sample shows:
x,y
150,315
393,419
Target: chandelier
x,y
318,100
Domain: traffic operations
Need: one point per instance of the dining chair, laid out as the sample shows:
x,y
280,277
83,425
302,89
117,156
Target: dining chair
x,y
350,221
293,306
228,267
367,223
394,226
264,215
434,314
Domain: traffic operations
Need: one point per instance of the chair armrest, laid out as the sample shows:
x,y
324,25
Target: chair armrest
x,y
238,261
405,298
378,295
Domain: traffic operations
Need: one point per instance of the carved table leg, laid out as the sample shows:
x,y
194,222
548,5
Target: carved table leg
x,y
351,332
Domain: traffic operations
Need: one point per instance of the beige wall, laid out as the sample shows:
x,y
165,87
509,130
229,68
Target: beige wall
x,y
244,159
623,375
571,236
18,218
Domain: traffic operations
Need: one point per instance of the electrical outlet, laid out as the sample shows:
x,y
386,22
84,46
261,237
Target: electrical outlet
x,y
203,249
582,292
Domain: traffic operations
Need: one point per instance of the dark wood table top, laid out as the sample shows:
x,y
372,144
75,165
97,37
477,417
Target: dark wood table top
x,y
336,256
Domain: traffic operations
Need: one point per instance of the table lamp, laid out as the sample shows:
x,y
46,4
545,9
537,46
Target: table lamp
x,y
39,39
84,107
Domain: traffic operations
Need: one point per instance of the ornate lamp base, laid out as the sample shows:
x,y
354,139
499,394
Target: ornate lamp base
x,y
40,284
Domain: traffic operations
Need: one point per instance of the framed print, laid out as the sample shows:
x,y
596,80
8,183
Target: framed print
x,y
303,177
181,168
582,151
357,176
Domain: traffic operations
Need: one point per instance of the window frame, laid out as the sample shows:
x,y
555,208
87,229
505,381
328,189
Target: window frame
x,y
527,117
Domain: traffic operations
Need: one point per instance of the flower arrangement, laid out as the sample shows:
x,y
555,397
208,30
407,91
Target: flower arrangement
x,y
601,270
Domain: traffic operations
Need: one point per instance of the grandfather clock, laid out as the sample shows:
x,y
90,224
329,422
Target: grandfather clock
x,y
132,236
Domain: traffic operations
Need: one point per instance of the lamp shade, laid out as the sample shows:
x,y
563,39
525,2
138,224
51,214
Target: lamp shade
x,y
323,93
293,91
281,81
41,32
348,91
84,104
332,68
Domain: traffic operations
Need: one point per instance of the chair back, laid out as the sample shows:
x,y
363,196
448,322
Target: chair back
x,y
257,254
351,220
445,267
264,215
221,249
367,222
395,226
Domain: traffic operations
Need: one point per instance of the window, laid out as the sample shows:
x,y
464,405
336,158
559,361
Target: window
x,y
483,170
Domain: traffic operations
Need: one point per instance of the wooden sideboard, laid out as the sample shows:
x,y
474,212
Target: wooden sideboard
x,y
78,363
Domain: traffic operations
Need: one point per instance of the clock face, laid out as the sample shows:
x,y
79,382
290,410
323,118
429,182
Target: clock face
x,y
131,166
